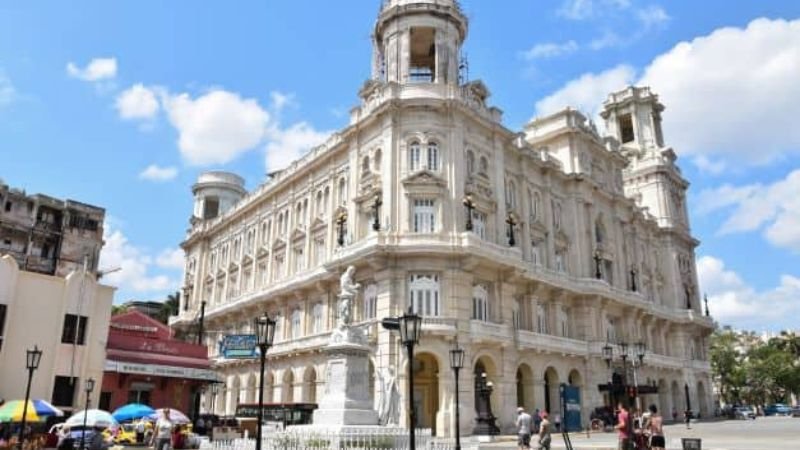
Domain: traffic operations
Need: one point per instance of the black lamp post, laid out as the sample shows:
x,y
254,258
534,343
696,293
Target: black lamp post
x,y
456,363
376,210
597,259
341,220
634,288
32,360
511,221
470,205
89,388
705,300
200,331
265,333
410,327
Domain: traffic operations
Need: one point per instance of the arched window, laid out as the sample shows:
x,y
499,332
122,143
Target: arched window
x,y
563,322
424,294
470,162
414,156
316,313
511,194
342,191
599,231
484,166
326,200
298,220
536,253
318,206
541,319
278,327
365,165
556,215
480,302
536,205
611,330
305,210
370,301
433,156
297,327
377,160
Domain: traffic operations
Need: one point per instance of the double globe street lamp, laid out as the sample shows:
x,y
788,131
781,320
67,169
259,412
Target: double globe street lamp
x,y
639,351
457,363
410,327
32,360
265,334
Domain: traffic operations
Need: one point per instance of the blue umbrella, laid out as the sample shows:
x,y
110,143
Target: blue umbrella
x,y
132,411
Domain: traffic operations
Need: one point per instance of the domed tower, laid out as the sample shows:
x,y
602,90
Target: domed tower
x,y
418,41
215,193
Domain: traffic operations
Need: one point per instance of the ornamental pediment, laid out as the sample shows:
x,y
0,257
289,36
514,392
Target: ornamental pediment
x,y
278,243
537,226
318,223
424,178
561,237
298,234
262,251
247,259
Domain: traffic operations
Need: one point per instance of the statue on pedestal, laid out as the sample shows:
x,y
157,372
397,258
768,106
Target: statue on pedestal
x,y
388,398
348,290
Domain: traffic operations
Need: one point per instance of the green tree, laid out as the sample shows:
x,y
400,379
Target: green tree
x,y
726,364
118,309
169,307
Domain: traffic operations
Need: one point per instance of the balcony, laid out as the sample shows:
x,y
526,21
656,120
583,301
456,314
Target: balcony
x,y
439,325
553,344
481,331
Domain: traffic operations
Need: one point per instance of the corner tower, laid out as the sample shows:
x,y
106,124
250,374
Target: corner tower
x,y
215,193
418,41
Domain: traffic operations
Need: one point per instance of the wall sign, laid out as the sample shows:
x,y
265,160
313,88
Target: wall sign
x,y
238,346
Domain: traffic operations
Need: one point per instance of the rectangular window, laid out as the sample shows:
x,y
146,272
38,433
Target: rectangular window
x,y
74,331
297,330
2,324
424,216
626,129
317,312
414,157
139,396
479,224
424,294
105,401
319,251
64,391
8,206
536,256
299,260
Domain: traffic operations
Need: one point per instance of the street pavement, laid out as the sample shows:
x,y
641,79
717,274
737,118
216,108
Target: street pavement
x,y
764,433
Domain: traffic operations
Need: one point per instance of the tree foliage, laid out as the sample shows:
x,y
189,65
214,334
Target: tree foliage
x,y
748,368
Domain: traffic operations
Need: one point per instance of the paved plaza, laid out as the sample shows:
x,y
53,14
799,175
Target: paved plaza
x,y
764,433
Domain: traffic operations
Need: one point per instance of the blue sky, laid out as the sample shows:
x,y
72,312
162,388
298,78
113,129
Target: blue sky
x,y
122,104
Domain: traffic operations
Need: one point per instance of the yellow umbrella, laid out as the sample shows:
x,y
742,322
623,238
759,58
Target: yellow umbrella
x,y
12,412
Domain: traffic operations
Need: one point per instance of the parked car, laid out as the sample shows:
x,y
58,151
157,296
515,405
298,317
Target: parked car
x,y
777,409
744,412
796,411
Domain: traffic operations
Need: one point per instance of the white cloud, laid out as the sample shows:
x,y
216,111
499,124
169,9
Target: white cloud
x,y
607,40
652,16
281,100
772,208
550,50
137,102
587,92
97,69
216,127
589,9
747,80
734,302
286,145
7,91
154,172
135,265
171,259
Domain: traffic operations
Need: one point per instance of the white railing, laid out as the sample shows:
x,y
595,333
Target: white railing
x,y
378,438
552,343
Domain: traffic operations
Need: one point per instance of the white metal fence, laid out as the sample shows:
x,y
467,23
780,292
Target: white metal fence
x,y
378,439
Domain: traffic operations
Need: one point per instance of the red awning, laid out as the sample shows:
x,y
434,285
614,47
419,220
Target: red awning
x,y
155,358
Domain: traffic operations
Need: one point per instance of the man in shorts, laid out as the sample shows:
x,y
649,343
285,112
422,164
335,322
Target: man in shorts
x,y
523,429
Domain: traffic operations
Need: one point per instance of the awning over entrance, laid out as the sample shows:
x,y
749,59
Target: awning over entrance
x,y
160,370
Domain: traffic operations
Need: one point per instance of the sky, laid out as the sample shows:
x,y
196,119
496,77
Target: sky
x,y
123,104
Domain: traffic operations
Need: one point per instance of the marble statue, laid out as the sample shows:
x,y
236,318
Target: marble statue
x,y
348,289
388,398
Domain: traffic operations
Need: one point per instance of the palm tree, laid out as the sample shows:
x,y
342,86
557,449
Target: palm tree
x,y
169,307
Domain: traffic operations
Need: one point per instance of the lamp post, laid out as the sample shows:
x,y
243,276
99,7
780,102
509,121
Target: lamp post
x,y
597,259
639,349
200,330
32,360
470,205
511,221
376,210
705,300
265,333
608,355
410,327
341,220
634,288
456,363
89,388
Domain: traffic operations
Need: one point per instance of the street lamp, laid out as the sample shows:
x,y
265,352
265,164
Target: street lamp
x,y
470,205
634,288
456,363
376,209
88,388
511,221
32,360
623,352
410,326
608,354
597,259
265,333
341,220
705,300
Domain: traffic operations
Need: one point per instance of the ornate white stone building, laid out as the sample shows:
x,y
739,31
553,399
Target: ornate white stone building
x,y
602,246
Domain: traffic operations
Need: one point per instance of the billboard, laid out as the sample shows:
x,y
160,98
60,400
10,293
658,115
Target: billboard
x,y
238,346
571,403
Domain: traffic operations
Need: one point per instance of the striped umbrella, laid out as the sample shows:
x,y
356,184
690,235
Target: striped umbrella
x,y
12,412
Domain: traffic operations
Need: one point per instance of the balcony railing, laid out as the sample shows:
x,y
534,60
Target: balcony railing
x,y
556,344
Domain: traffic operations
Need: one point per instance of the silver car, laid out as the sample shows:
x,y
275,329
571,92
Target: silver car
x,y
744,412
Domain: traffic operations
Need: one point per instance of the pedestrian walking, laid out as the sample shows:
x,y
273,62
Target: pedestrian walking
x,y
544,432
655,428
140,430
537,420
163,432
623,428
687,417
524,423
674,414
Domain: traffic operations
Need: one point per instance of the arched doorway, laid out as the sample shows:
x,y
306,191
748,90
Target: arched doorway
x,y
287,386
551,401
701,399
310,385
676,398
269,387
525,387
426,390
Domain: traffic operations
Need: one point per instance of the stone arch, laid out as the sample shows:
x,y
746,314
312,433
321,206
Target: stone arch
x,y
702,400
269,387
426,369
310,385
575,378
551,392
287,386
525,384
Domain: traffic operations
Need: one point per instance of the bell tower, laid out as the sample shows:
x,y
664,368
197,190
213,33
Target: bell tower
x,y
418,41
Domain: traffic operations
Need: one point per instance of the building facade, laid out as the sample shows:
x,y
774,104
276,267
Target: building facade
x,y
531,249
145,364
48,235
65,317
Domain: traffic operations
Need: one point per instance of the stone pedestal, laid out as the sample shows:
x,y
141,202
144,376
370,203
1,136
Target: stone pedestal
x,y
345,400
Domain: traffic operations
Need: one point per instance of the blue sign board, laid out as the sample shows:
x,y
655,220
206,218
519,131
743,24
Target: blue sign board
x,y
571,402
238,346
